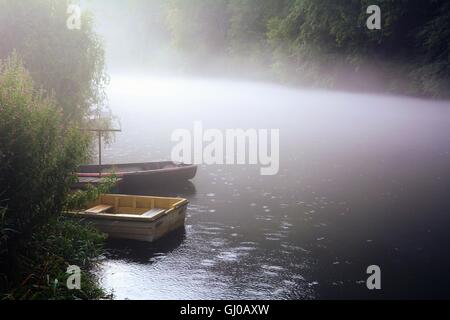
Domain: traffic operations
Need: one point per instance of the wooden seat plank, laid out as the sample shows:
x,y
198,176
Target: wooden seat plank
x,y
153,213
102,208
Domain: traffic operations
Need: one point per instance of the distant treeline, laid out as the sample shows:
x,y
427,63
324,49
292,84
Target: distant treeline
x,y
322,43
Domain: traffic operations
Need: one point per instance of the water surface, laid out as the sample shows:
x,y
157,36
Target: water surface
x,y
363,180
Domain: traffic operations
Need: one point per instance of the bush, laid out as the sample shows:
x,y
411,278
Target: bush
x,y
51,250
78,199
39,152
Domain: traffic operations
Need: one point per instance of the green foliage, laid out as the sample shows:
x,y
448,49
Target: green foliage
x,y
39,153
199,30
78,199
328,43
45,257
4,231
247,41
41,144
433,74
67,63
325,42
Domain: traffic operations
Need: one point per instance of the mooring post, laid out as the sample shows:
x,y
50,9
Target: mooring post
x,y
99,132
99,153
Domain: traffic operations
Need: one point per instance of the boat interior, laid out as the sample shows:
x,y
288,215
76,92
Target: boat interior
x,y
148,207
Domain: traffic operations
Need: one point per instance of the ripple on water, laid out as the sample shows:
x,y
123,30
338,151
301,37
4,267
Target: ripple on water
x,y
210,233
289,282
313,284
270,273
294,247
228,256
286,225
264,218
208,263
193,209
246,248
255,293
272,268
211,228
272,239
277,235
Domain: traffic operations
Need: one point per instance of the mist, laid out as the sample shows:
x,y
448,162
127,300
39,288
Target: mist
x,y
353,177
274,41
354,166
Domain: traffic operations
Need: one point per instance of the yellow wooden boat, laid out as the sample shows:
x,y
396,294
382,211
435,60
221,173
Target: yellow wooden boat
x,y
135,217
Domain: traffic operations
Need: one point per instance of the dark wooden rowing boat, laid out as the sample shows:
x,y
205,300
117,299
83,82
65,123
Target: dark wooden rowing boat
x,y
140,174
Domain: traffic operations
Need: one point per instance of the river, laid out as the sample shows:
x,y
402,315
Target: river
x,y
364,180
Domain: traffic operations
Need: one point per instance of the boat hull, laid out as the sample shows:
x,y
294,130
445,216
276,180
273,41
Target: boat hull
x,y
143,218
162,176
148,231
140,174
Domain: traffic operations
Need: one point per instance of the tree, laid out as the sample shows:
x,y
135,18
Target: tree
x,y
248,28
67,63
39,152
433,74
199,29
326,42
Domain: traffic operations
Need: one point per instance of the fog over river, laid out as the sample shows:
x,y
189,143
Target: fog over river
x,y
363,180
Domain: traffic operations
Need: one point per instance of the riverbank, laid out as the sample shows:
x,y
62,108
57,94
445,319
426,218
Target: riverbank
x,y
43,254
56,263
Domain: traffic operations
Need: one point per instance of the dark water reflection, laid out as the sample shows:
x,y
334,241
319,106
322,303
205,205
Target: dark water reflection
x,y
363,180
183,188
141,252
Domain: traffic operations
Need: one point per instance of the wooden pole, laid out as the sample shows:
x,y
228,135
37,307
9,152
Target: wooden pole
x,y
100,153
100,131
